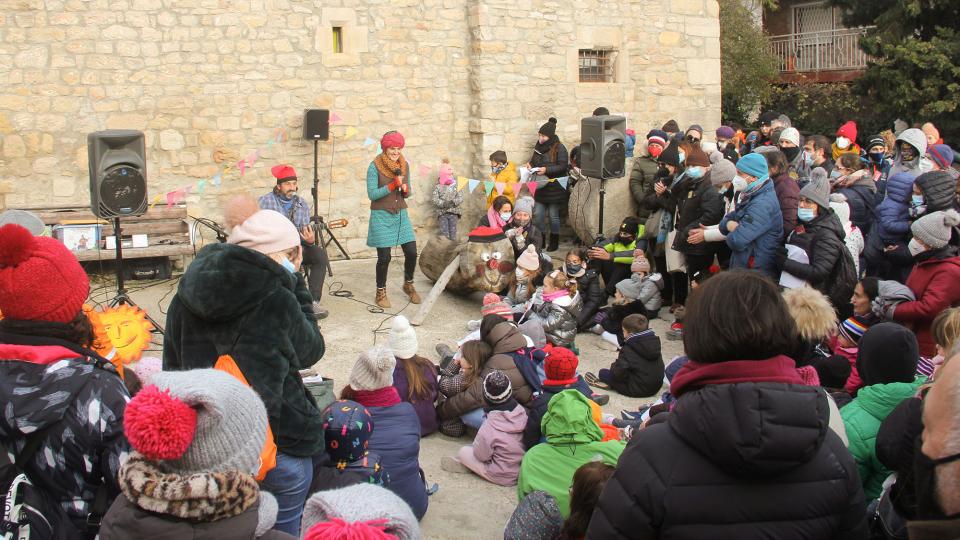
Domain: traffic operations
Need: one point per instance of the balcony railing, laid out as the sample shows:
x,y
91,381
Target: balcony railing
x,y
820,51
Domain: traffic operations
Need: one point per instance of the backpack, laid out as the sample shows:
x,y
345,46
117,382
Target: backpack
x,y
268,455
29,512
527,360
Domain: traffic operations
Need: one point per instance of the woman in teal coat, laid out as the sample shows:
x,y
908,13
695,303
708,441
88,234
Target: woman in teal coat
x,y
388,186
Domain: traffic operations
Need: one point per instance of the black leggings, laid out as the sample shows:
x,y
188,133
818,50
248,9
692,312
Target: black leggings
x,y
409,263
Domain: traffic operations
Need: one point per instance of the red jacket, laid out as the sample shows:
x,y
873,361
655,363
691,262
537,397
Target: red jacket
x,y
934,282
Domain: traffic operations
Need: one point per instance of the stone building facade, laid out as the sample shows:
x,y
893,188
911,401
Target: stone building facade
x,y
211,81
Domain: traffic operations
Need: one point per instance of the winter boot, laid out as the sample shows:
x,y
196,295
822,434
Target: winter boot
x,y
382,300
410,291
554,242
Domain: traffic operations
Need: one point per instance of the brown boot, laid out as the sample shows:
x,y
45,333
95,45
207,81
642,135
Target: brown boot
x,y
382,298
411,292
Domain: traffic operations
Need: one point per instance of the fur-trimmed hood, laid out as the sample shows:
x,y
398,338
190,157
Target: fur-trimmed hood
x,y
812,312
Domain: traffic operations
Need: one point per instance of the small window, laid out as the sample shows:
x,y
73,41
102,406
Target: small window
x,y
596,65
338,39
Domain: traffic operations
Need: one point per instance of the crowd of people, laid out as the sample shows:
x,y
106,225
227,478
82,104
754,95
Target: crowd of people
x,y
812,284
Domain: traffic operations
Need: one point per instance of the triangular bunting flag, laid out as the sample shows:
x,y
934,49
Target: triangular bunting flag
x,y
155,200
488,187
351,131
201,186
461,182
379,149
368,142
564,180
532,186
335,118
500,187
472,185
242,165
217,178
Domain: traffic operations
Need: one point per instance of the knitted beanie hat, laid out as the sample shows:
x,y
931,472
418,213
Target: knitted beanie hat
x,y
373,369
347,427
368,503
875,140
640,264
930,131
833,371
493,304
696,128
403,339
40,280
203,420
658,134
672,154
671,126
529,260
942,155
840,206
848,130
630,287
767,117
698,158
266,231
753,164
146,368
524,204
338,529
818,191
853,328
722,171
549,128
496,388
725,132
934,229
392,139
560,367
791,134
887,353
27,220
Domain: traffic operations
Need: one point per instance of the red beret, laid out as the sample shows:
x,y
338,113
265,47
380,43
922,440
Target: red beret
x,y
283,173
391,139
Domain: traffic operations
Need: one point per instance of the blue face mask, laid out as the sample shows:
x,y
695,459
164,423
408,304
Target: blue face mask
x,y
808,159
695,172
916,200
834,174
505,216
876,157
288,265
805,214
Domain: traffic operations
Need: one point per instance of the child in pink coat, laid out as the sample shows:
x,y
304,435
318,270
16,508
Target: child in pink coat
x,y
497,451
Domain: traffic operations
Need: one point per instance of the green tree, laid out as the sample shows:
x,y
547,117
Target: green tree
x,y
747,68
914,72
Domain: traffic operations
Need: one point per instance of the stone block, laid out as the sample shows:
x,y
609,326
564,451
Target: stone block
x,y
171,140
32,58
45,165
64,186
13,146
703,71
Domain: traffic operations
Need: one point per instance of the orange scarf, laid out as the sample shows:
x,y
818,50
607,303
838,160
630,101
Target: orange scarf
x,y
388,167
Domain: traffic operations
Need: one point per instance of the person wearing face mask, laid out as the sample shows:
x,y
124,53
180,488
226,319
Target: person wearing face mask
x,y
520,228
787,189
613,257
502,171
498,214
698,204
911,146
936,248
672,162
755,228
816,153
789,143
846,141
725,143
244,298
644,173
588,284
549,162
523,282
932,192
722,174
820,234
877,164
856,184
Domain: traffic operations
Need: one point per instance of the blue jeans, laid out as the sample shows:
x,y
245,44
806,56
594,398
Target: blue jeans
x,y
540,213
474,418
289,483
448,225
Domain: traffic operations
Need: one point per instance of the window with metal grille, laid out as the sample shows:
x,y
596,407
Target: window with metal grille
x,y
596,65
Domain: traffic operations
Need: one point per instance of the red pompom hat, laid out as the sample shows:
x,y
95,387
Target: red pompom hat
x,y
283,173
392,139
40,279
560,367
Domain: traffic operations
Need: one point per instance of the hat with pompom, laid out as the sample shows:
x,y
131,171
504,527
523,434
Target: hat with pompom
x,y
40,279
403,339
492,303
373,369
549,128
934,230
203,420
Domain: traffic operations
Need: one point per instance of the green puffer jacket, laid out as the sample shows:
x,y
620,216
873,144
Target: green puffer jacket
x,y
862,418
573,438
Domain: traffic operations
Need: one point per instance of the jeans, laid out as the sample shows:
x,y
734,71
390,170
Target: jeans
x,y
409,263
315,258
540,213
448,225
474,418
289,482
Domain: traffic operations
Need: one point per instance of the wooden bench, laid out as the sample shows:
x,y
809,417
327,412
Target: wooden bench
x,y
167,230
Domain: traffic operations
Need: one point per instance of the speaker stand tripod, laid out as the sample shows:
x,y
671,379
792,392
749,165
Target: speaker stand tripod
x,y
322,235
122,298
603,192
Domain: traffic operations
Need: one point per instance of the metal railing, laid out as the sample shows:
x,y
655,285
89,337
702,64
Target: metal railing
x,y
837,49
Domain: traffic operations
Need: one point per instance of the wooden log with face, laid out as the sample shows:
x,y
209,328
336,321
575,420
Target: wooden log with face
x,y
486,261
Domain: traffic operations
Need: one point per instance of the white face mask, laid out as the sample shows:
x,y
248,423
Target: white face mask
x,y
521,275
843,143
915,248
739,184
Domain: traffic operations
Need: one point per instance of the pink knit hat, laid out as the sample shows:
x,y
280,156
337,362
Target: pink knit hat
x,y
266,231
640,264
493,305
529,260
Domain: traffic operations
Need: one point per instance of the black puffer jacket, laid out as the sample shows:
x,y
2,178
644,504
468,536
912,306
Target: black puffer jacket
x,y
862,198
697,203
588,285
638,370
830,270
736,461
233,300
553,156
895,450
939,190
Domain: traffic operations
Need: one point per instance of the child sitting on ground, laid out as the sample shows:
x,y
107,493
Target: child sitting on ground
x,y
638,370
497,450
456,376
492,303
447,200
557,305
638,294
522,283
560,368
347,427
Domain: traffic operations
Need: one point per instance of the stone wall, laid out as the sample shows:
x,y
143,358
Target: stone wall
x,y
210,81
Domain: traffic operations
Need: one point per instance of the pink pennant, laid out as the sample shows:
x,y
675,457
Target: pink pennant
x,y
532,186
176,196
335,118
500,187
242,165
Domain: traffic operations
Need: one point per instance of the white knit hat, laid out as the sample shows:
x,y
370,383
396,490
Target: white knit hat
x,y
373,369
791,134
266,231
403,339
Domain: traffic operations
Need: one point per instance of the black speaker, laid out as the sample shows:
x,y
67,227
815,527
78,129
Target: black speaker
x,y
603,150
118,173
316,124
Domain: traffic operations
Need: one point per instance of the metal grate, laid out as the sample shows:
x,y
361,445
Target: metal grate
x,y
596,65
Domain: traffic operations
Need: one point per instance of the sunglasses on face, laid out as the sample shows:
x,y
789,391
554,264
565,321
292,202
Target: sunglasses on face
x,y
692,139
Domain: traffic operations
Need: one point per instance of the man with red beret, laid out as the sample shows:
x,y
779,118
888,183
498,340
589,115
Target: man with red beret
x,y
284,199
